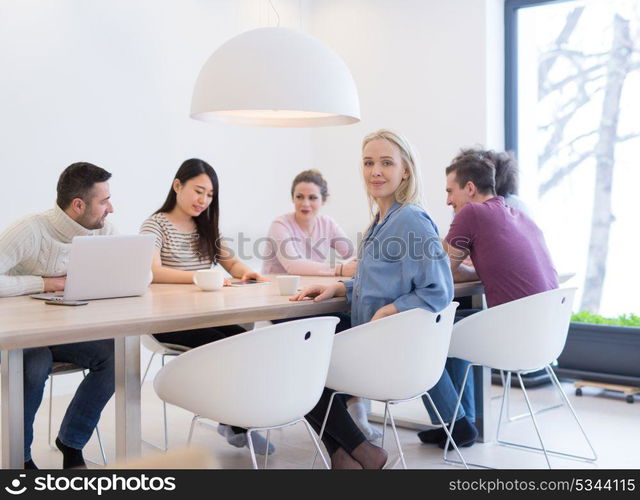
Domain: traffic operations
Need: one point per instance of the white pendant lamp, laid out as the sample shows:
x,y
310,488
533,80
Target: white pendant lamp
x,y
275,77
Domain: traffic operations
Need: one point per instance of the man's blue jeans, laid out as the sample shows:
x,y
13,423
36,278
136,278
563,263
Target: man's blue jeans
x,y
445,393
92,394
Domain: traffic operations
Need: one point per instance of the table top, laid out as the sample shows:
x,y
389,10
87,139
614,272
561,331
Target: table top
x,y
27,322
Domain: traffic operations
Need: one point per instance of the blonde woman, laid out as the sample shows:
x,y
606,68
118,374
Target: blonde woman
x,y
401,266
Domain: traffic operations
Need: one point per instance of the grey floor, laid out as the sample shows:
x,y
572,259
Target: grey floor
x,y
612,424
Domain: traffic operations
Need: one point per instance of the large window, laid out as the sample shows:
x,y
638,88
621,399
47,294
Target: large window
x,y
573,119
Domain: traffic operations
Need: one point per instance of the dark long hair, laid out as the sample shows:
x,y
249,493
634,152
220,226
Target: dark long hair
x,y
207,222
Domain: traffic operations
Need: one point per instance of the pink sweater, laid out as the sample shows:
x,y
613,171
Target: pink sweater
x,y
290,251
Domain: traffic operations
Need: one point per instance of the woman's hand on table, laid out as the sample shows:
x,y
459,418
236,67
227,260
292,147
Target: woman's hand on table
x,y
319,292
383,312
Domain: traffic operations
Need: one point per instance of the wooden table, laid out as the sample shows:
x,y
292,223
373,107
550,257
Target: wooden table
x,y
164,308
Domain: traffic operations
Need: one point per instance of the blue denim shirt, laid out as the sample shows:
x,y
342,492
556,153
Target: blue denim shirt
x,y
401,261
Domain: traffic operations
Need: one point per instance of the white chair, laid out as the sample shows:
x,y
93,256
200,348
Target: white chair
x,y
518,337
392,360
260,380
163,350
513,418
64,368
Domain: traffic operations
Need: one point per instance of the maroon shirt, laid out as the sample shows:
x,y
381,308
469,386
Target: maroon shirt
x,y
507,249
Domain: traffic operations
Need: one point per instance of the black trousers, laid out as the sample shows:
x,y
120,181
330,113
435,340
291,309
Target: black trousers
x,y
200,336
340,431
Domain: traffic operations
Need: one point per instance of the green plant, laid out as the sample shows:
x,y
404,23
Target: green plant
x,y
622,320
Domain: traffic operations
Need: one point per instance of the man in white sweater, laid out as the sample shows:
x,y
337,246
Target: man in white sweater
x,y
34,253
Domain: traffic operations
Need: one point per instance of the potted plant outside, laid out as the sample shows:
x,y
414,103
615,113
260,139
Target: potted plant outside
x,y
602,349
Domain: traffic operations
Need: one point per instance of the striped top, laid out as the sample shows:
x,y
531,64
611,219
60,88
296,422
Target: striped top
x,y
177,250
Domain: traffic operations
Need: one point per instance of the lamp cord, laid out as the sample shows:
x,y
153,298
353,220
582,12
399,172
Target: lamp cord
x,y
274,10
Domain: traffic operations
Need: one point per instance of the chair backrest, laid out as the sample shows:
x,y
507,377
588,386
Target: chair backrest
x,y
64,368
397,357
260,378
525,334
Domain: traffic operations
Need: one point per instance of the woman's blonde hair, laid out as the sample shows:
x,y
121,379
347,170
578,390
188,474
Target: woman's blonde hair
x,y
410,189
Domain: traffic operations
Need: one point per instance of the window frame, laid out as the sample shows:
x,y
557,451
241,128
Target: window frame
x,y
511,8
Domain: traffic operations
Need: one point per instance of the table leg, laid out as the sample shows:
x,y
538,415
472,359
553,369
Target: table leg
x,y
482,388
12,410
128,424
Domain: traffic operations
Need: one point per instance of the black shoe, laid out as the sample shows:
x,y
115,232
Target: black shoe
x,y
464,434
432,436
29,465
71,458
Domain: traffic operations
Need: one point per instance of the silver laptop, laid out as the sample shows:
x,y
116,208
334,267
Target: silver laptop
x,y
103,267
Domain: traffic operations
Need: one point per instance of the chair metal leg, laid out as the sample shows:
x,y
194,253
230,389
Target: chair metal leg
x,y
253,453
395,433
506,397
548,452
556,382
266,455
459,402
252,430
50,411
532,414
164,417
164,404
533,419
538,412
326,415
193,424
384,425
510,418
502,379
446,430
104,455
324,424
525,415
316,443
144,377
445,457
504,402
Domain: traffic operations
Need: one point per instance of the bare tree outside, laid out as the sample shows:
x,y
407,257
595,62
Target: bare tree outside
x,y
582,90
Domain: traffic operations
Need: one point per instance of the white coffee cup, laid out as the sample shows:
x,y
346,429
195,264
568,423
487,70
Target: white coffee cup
x,y
287,284
209,279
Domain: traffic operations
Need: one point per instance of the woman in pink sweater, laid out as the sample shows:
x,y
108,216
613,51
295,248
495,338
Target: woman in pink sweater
x,y
300,242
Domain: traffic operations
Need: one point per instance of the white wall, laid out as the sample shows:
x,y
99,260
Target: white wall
x,y
110,82
430,69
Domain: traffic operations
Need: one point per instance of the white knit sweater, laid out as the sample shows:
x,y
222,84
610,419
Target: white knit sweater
x,y
38,246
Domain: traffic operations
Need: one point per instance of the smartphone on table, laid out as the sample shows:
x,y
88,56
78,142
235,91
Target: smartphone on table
x,y
248,282
66,302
